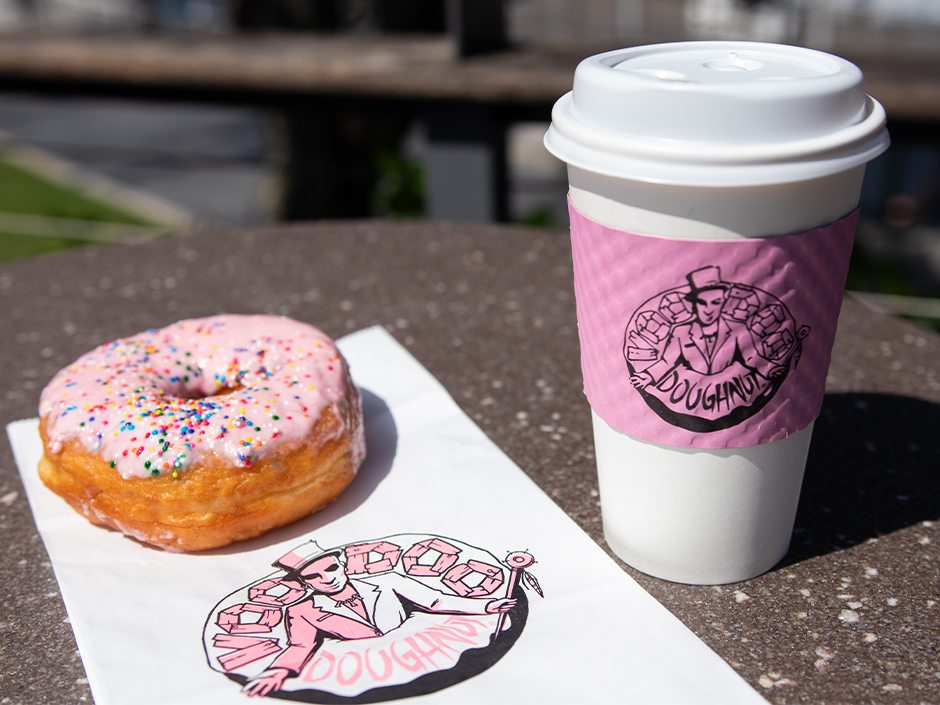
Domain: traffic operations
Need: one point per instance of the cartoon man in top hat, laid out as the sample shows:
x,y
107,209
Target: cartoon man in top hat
x,y
711,342
343,608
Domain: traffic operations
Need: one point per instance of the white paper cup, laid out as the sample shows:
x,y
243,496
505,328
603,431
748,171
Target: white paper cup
x,y
716,141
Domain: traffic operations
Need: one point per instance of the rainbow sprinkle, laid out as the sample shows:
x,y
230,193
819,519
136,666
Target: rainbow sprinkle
x,y
158,401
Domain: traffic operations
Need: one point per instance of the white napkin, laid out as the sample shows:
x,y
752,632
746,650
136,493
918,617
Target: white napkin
x,y
147,621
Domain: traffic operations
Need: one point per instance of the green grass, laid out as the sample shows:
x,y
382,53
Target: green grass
x,y
23,192
401,189
13,246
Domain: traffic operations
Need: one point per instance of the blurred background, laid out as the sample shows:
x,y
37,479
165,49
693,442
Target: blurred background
x,y
123,119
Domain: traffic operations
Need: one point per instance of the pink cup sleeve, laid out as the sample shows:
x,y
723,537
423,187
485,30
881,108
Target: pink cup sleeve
x,y
703,343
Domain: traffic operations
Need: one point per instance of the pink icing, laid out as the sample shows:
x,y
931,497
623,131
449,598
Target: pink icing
x,y
145,404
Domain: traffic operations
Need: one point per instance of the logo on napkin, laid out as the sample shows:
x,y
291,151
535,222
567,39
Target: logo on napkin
x,y
370,621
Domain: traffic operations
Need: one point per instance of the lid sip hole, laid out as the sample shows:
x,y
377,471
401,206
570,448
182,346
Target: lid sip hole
x,y
733,63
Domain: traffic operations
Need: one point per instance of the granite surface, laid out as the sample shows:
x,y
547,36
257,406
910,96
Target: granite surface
x,y
852,614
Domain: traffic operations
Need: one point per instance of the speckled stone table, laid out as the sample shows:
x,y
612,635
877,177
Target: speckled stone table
x,y
851,615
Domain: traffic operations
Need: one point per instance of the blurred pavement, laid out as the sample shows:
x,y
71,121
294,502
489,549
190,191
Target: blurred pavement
x,y
213,161
219,163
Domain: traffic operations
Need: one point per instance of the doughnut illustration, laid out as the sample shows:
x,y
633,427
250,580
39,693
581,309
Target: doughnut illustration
x,y
708,354
370,621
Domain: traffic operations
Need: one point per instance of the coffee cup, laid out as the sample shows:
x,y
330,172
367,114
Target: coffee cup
x,y
713,195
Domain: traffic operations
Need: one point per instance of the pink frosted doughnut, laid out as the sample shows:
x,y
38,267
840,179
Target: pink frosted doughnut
x,y
205,432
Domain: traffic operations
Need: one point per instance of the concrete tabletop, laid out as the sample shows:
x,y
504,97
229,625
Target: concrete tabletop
x,y
852,613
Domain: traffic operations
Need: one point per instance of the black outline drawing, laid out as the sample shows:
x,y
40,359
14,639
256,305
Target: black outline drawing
x,y
708,344
388,583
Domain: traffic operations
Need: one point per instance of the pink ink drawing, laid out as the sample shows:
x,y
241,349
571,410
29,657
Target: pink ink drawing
x,y
371,621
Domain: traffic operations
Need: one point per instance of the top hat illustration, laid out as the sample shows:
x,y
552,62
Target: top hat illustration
x,y
302,556
705,279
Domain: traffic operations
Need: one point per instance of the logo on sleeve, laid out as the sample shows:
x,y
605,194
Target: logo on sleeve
x,y
709,353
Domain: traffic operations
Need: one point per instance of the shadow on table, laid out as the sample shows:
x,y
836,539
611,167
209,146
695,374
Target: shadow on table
x,y
381,446
873,468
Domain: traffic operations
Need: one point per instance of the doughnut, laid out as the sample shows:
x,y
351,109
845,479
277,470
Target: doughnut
x,y
209,431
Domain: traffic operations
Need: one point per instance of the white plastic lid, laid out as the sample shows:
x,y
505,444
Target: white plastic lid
x,y
717,114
